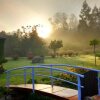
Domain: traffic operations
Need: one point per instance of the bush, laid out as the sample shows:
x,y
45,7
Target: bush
x,y
4,91
97,54
70,77
1,69
53,56
38,59
30,81
15,57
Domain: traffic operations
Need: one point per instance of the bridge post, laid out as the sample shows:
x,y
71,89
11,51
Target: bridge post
x,y
33,79
25,76
51,74
8,79
98,84
79,87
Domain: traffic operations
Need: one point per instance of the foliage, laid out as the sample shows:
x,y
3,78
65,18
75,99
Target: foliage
x,y
2,50
94,43
4,91
97,54
38,59
70,77
23,42
55,45
30,81
15,57
2,59
59,21
89,19
84,17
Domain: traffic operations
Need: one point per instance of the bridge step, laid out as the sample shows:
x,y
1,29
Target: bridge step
x,y
62,92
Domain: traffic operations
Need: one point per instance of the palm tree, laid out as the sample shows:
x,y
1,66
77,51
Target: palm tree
x,y
93,43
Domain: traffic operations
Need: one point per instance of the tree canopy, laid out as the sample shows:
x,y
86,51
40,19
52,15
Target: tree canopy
x,y
55,45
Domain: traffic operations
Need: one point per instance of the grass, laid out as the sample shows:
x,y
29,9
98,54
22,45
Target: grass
x,y
82,60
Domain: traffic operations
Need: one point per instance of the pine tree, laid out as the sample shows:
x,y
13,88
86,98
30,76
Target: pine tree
x,y
84,17
93,23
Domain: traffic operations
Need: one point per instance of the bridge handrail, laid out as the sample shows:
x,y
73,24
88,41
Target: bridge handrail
x,y
50,66
46,67
73,66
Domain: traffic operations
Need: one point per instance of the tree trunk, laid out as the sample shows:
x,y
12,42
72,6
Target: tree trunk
x,y
54,53
94,55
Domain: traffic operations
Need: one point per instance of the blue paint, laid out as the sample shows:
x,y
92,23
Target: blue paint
x,y
51,69
79,88
25,77
33,79
98,85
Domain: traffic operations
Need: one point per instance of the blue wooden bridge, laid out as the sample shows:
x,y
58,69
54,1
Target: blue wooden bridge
x,y
88,84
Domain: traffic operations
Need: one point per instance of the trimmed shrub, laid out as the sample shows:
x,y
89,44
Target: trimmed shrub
x,y
38,59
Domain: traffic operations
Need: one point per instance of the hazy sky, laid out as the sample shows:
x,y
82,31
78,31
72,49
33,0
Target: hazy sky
x,y
17,13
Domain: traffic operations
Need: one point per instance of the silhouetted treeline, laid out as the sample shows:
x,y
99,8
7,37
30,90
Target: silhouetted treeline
x,y
75,33
21,43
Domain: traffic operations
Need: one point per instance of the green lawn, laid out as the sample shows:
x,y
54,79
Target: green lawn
x,y
82,60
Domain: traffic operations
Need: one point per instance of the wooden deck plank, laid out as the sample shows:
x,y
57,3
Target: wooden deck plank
x,y
61,92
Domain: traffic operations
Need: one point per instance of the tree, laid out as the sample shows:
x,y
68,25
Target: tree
x,y
55,45
31,42
2,59
59,21
72,22
94,43
94,19
84,17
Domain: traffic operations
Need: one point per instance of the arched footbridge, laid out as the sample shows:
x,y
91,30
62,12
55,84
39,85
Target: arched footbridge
x,y
88,84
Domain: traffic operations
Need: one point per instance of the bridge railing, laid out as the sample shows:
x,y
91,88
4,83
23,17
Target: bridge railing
x,y
76,67
25,68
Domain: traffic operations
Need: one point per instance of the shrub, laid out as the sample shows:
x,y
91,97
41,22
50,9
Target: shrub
x,y
15,57
53,56
1,69
30,81
38,59
1,66
98,54
30,55
70,77
4,91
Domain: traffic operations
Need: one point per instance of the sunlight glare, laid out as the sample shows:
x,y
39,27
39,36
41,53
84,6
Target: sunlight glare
x,y
44,31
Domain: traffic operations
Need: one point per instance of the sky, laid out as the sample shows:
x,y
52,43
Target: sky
x,y
17,13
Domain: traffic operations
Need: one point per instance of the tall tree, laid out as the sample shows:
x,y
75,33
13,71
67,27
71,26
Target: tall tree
x,y
72,22
94,18
55,45
59,21
94,43
84,17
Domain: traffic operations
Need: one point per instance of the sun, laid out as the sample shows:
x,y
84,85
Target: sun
x,y
44,31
